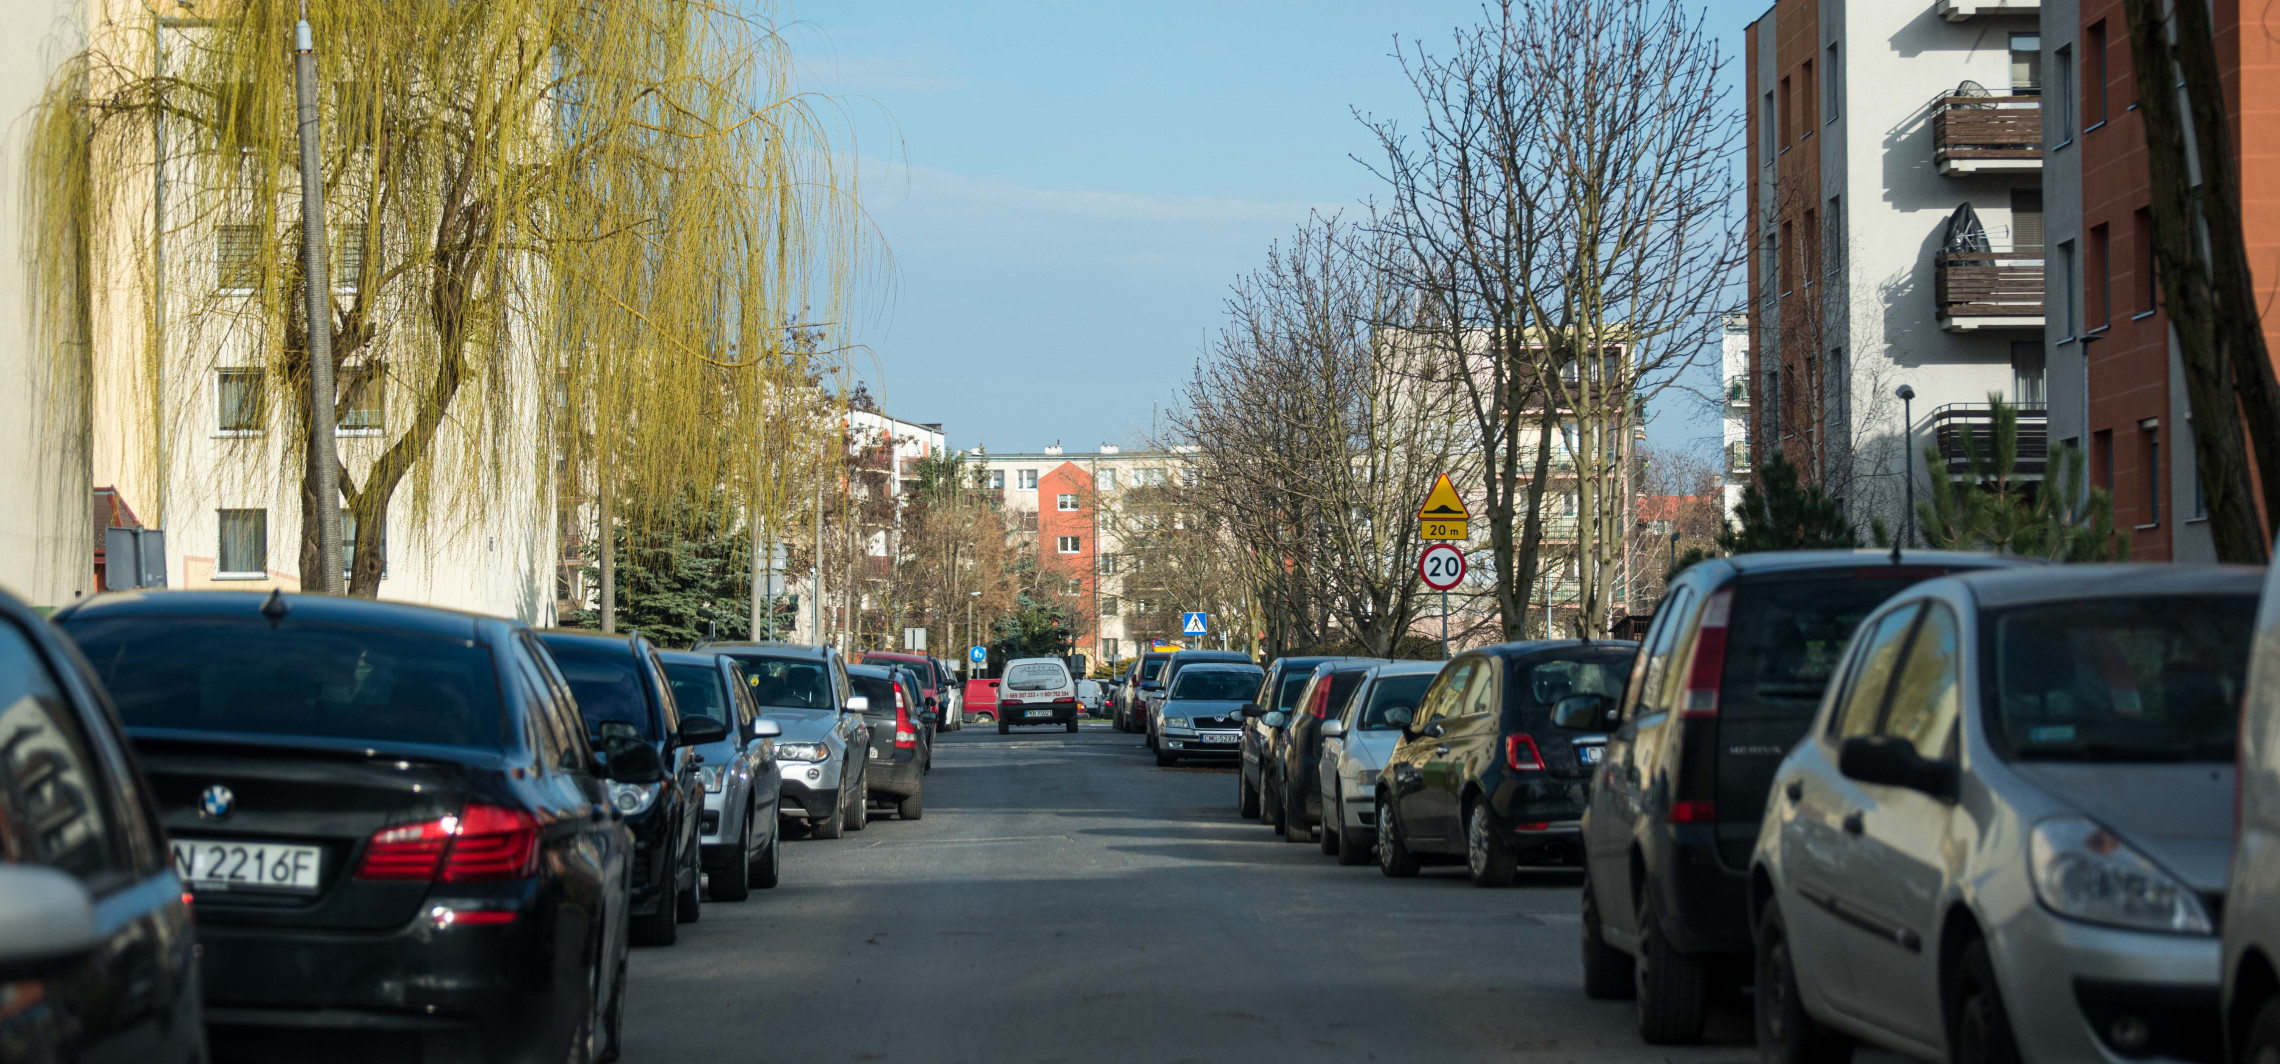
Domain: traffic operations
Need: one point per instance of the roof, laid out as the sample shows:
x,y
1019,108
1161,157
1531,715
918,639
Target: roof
x,y
1525,647
2060,583
1409,667
1224,666
688,657
1667,507
327,609
789,650
581,639
1774,560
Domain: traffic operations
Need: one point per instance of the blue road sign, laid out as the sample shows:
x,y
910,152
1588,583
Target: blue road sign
x,y
978,655
1194,624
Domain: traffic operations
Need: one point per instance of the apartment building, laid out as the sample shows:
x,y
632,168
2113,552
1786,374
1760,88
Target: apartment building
x,y
1734,426
1896,209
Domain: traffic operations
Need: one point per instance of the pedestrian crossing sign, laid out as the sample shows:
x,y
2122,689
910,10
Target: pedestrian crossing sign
x,y
1193,624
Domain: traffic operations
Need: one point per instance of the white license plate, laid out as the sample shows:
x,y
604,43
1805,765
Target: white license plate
x,y
1038,713
223,864
1211,737
1589,755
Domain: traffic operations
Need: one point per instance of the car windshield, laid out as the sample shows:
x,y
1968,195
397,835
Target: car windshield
x,y
2139,679
1150,667
879,690
1550,681
1216,685
1036,676
299,680
788,683
1390,693
1788,634
609,692
697,690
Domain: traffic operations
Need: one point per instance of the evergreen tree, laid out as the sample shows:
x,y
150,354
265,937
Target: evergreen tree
x,y
1779,512
682,580
1989,507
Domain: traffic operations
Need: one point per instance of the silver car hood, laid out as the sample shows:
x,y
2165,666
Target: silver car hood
x,y
1369,749
2181,816
804,727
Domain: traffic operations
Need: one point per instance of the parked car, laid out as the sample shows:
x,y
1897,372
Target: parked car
x,y
981,700
823,752
1089,696
1354,748
901,737
2005,835
1292,793
86,834
1152,694
1482,774
739,837
1285,678
1726,682
2252,894
357,790
621,693
1037,691
1202,713
1143,671
933,680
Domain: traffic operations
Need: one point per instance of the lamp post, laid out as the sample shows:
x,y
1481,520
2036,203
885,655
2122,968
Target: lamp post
x,y
324,466
970,597
1908,455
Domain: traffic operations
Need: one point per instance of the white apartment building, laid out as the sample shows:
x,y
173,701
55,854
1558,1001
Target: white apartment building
x,y
1734,425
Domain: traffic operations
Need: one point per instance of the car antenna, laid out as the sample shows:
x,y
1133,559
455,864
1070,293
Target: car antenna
x,y
274,607
1895,550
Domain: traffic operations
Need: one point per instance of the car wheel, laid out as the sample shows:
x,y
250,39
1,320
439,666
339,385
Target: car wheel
x,y
913,807
734,880
1394,859
689,903
1327,831
1671,988
1786,1033
1354,847
2262,1046
613,1022
1270,796
1246,797
1294,816
1491,862
1982,1028
1607,971
764,869
835,825
659,928
858,814
1072,727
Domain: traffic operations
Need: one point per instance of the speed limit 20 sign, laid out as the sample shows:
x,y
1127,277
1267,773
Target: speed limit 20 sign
x,y
1442,566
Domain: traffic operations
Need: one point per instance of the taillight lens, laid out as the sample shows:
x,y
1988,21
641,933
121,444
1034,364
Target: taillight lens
x,y
484,842
1709,671
1521,754
1321,706
1694,812
905,738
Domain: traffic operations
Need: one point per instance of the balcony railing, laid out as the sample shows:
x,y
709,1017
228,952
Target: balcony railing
x,y
1987,134
1989,289
1738,389
1951,425
1738,456
1963,10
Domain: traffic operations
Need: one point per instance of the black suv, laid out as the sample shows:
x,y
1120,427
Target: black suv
x,y
1293,791
1286,677
1725,683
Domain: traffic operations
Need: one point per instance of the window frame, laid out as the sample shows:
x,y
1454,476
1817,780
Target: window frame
x,y
1066,502
259,378
1070,544
221,572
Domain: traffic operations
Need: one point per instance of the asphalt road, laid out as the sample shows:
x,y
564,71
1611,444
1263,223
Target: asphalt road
x,y
1063,899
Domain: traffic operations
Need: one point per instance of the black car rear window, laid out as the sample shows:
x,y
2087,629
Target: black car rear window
x,y
312,680
697,690
609,691
1544,683
879,690
1787,636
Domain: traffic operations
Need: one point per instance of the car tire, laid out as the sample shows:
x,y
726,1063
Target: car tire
x,y
1072,727
659,928
1246,797
858,813
1607,974
914,806
1488,858
833,826
1786,1033
1294,817
1003,727
2261,1045
1332,819
1394,858
1980,1027
689,903
734,880
1672,988
765,870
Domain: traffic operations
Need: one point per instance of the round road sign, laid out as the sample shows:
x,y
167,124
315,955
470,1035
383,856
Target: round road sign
x,y
1442,566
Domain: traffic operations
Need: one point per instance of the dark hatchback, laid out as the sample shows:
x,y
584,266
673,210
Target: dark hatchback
x,y
901,736
1725,683
1143,671
1293,792
627,701
395,830
1286,677
1203,711
1482,773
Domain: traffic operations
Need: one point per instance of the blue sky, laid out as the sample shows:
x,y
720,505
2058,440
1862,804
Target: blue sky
x,y
1066,190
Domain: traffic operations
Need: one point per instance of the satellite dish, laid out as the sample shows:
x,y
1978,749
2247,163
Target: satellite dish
x,y
1972,88
1964,232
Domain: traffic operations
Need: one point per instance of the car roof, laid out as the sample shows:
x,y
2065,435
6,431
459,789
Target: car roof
x,y
1223,666
585,640
2061,583
1409,668
1210,655
688,657
1782,560
786,650
1525,647
433,620
1024,661
876,672
1349,664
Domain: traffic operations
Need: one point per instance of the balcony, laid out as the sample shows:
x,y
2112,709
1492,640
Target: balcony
x,y
1951,425
1980,290
1738,456
1738,390
1987,134
1965,10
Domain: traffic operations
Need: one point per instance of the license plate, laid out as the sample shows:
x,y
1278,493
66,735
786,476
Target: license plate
x,y
1039,713
221,864
1210,737
1589,755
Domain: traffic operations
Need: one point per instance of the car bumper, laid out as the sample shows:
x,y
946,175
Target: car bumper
x,y
1023,716
893,779
1193,744
811,801
722,826
2068,986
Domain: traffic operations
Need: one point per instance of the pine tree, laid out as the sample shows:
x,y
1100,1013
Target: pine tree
x,y
1779,512
682,580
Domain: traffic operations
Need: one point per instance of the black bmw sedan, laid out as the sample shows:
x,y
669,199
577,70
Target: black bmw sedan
x,y
398,840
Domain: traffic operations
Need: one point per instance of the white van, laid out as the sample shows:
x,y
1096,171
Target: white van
x,y
1037,691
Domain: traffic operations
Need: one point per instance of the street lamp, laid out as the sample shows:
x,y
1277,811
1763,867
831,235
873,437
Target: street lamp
x,y
970,597
1908,455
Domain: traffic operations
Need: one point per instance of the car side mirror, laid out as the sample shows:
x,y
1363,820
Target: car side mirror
x,y
637,763
697,731
858,703
766,729
1332,729
1585,712
47,924
1891,762
1276,719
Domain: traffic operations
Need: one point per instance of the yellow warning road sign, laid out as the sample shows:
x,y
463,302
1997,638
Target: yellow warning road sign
x,y
1444,515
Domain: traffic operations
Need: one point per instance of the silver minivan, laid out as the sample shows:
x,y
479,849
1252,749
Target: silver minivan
x,y
2005,835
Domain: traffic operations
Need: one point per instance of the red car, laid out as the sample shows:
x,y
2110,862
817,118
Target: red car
x,y
981,699
931,682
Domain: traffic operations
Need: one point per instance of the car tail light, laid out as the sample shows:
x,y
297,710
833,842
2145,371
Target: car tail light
x,y
484,842
1534,825
1709,671
1321,706
1699,811
905,738
1521,754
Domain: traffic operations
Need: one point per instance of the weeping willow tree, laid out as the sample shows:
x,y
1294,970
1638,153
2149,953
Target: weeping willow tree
x,y
571,245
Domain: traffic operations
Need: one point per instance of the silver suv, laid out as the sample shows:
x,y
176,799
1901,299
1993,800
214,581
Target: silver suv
x,y
822,753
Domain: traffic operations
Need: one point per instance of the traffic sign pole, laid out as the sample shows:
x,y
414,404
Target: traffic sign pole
x,y
1444,626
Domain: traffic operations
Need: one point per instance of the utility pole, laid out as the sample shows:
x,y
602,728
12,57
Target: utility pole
x,y
324,459
815,572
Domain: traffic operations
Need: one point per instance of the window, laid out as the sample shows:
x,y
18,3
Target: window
x,y
237,257
242,404
2098,299
1075,586
348,543
2026,63
1029,480
1812,240
1788,124
2069,295
243,550
1769,411
1108,564
2102,458
2062,102
1671,615
2026,219
1065,502
2028,387
348,261
1108,609
1788,281
1447,692
1108,649
1142,606
2150,431
1871,676
1832,84
1922,709
2094,75
2200,486
2141,256
49,766
1107,480
1807,99
365,410
1072,544
997,480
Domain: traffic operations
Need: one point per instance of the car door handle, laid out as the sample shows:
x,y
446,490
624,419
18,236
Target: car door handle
x,y
1853,824
1795,790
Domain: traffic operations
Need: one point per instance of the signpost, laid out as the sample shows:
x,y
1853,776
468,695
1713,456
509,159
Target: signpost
x,y
1443,517
914,639
978,657
1194,624
1442,567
